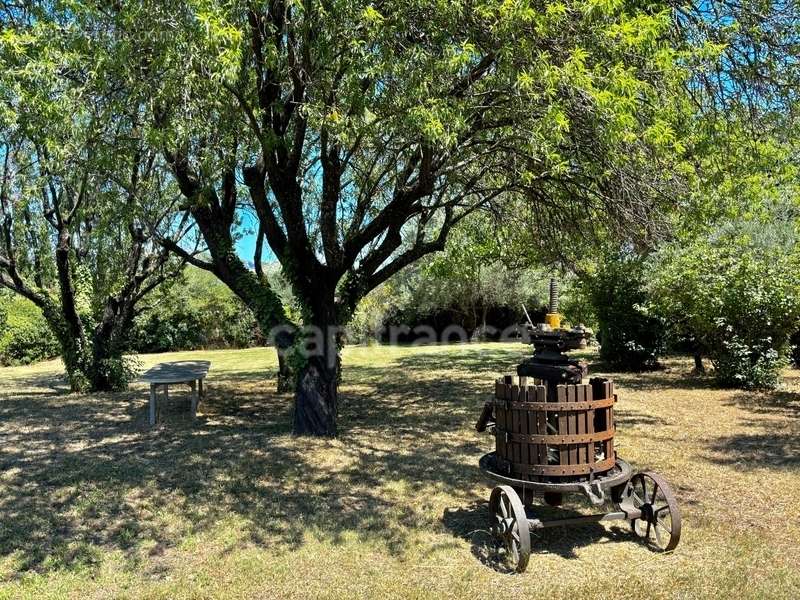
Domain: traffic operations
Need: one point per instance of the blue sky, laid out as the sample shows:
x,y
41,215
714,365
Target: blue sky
x,y
246,246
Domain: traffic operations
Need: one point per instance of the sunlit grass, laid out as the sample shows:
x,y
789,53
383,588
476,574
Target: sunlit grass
x,y
94,503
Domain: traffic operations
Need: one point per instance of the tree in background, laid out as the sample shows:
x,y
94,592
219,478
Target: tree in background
x,y
25,336
473,283
630,338
77,188
736,294
194,311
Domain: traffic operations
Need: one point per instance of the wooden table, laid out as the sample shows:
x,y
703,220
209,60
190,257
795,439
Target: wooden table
x,y
189,372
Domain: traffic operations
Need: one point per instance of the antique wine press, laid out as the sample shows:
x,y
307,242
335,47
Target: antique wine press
x,y
554,435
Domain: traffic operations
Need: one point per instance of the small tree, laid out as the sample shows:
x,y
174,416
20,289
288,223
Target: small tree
x,y
738,296
77,190
630,339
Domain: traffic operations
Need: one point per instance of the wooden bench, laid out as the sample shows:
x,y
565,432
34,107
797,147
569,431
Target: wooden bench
x,y
188,372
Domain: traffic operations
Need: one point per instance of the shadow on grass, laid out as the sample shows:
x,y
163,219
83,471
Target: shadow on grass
x,y
466,358
653,381
776,403
470,524
777,446
84,475
757,451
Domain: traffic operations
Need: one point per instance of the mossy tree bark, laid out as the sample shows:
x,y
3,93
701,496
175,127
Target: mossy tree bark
x,y
215,213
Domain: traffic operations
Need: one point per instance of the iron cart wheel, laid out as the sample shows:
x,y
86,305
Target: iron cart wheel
x,y
508,525
660,523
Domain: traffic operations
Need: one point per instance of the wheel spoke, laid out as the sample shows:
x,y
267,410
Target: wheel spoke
x,y
655,498
664,519
663,524
514,550
660,543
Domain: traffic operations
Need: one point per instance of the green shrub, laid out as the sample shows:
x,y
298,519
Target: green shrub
x,y
576,305
738,300
630,338
195,312
118,371
25,336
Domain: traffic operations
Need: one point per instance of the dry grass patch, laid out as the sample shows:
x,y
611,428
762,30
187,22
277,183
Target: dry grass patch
x,y
94,503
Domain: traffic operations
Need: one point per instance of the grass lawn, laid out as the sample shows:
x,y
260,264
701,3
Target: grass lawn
x,y
95,504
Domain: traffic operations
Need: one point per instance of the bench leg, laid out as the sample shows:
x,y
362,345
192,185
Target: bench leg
x,y
195,399
201,389
152,404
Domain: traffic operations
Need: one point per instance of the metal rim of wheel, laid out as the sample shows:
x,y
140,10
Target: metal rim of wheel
x,y
660,523
508,525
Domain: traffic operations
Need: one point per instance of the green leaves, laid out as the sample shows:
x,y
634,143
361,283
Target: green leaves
x,y
736,297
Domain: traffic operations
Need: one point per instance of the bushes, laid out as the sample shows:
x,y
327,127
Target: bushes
x,y
193,313
480,298
630,338
25,336
740,303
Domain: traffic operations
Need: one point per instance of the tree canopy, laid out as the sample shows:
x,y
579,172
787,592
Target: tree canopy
x,y
361,134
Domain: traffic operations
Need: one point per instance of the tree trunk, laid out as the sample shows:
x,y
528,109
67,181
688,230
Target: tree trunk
x,y
285,379
105,372
73,353
698,363
316,398
317,384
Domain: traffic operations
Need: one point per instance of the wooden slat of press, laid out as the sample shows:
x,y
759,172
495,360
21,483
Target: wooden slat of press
x,y
599,392
580,395
610,421
590,424
605,423
600,415
498,416
534,452
563,452
524,422
572,424
541,423
500,413
513,392
507,425
515,418
509,422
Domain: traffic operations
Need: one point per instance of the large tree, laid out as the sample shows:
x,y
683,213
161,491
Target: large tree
x,y
362,133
